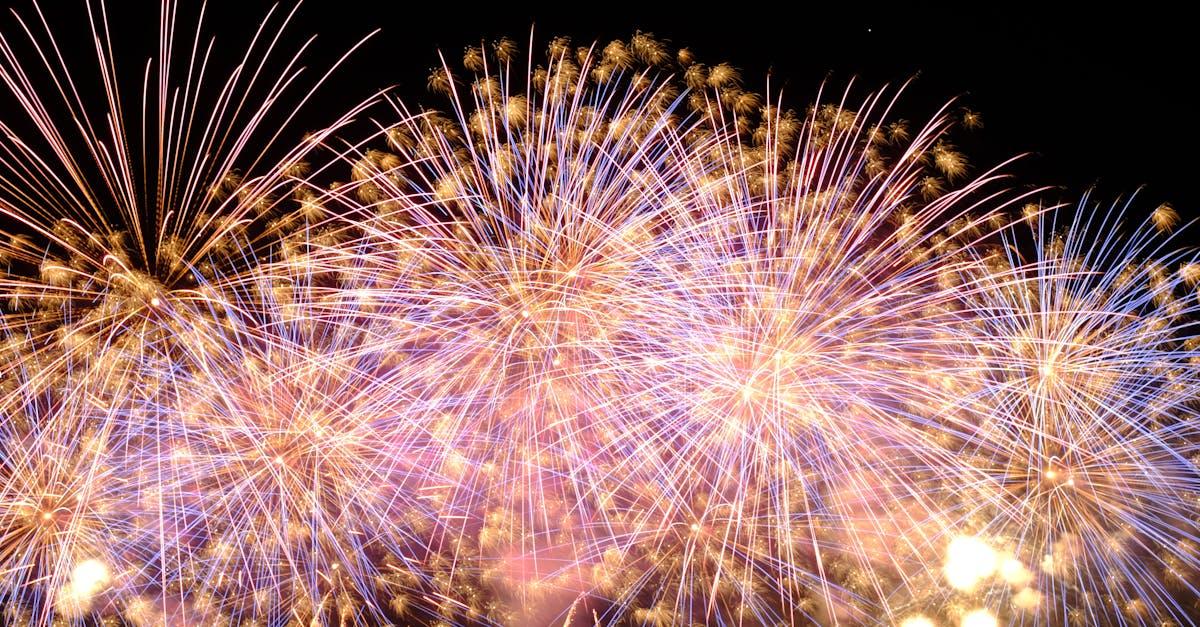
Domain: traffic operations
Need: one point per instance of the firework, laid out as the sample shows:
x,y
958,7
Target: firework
x,y
145,195
614,340
68,516
1083,448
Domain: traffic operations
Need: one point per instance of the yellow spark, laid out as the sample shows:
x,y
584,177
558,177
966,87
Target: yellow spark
x,y
1164,218
1014,572
1027,599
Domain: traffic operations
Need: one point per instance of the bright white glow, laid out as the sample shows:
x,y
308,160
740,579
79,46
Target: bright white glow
x,y
979,618
88,578
969,560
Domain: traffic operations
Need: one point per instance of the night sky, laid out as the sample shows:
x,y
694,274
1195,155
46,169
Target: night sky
x,y
1093,98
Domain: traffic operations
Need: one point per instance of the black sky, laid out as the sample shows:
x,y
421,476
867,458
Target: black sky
x,y
1096,96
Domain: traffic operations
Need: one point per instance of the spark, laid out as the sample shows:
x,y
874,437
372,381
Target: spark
x,y
621,338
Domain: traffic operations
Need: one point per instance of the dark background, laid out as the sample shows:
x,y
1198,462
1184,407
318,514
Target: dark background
x,y
1094,96
1097,97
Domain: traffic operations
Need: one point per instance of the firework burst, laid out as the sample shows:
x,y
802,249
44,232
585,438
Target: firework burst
x,y
141,195
1084,446
611,340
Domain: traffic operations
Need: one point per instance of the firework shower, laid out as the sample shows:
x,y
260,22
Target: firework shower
x,y
593,334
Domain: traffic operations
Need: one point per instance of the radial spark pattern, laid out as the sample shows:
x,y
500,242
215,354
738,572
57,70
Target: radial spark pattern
x,y
609,339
